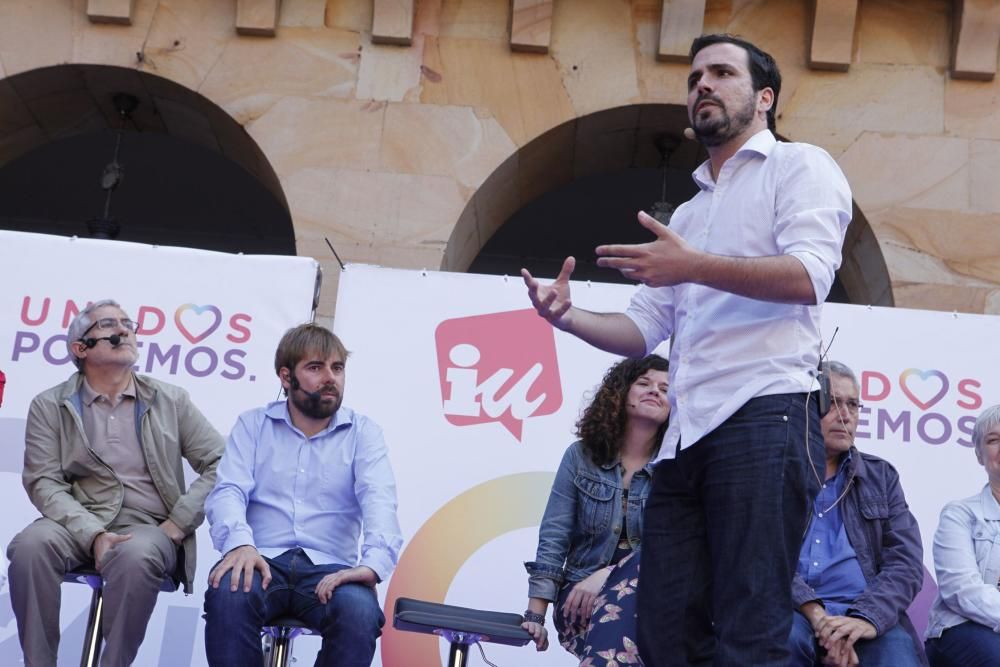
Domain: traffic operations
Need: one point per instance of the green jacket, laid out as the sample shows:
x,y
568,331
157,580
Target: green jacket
x,y
70,484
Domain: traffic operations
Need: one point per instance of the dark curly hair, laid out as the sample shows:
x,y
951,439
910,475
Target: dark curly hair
x,y
603,422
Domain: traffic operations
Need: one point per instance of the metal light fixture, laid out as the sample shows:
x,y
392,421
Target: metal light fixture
x,y
106,227
663,210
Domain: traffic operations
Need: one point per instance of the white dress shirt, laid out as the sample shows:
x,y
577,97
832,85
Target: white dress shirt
x,y
770,199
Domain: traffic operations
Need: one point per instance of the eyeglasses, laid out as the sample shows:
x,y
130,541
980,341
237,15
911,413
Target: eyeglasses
x,y
852,404
111,323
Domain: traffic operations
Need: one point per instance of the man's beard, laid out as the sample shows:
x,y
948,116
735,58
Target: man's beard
x,y
719,129
315,407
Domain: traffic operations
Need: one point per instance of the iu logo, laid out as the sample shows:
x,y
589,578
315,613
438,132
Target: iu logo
x,y
499,367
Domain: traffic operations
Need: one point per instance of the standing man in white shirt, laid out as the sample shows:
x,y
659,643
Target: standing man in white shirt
x,y
736,282
301,482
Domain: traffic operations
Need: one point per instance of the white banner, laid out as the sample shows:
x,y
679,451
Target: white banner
x,y
478,398
476,394
208,321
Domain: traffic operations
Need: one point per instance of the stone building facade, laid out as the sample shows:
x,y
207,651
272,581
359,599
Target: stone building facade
x,y
406,133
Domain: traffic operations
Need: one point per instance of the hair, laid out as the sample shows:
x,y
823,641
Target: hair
x,y
303,340
841,369
602,425
985,422
764,71
82,323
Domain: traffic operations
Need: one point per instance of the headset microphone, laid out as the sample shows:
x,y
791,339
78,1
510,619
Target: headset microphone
x,y
114,339
689,133
294,382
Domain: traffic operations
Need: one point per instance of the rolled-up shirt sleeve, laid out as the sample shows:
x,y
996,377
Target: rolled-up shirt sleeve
x,y
375,488
812,211
226,505
652,311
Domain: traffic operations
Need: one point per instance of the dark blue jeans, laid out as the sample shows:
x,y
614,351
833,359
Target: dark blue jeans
x,y
895,648
350,622
966,645
721,535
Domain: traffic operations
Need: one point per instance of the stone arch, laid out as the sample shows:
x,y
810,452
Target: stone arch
x,y
193,175
614,145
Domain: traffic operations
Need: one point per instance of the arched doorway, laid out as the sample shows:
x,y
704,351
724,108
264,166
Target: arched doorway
x,y
191,175
580,185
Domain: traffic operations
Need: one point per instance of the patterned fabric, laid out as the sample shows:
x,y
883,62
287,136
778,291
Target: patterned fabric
x,y
610,637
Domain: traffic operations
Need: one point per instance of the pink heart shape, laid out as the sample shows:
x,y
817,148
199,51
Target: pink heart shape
x,y
905,377
199,311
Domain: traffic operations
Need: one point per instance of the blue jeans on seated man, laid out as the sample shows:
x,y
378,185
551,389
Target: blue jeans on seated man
x,y
895,648
968,644
349,622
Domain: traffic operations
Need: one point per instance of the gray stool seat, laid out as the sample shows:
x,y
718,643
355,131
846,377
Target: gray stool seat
x,y
93,640
279,633
461,626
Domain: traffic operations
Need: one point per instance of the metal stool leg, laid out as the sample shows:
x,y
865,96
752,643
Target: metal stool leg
x,y
92,638
459,655
278,647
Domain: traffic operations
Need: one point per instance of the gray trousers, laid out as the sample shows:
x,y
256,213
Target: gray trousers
x,y
132,571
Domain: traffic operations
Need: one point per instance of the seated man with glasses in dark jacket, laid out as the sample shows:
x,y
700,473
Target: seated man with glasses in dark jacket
x,y
861,564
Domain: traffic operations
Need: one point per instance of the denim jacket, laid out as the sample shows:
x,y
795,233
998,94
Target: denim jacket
x,y
582,521
967,561
886,539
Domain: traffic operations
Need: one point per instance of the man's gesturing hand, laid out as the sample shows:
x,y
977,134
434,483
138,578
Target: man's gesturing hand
x,y
552,302
242,561
664,261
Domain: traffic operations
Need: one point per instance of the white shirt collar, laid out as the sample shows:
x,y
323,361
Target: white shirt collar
x,y
761,143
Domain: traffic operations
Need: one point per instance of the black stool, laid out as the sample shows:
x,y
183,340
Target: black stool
x,y
93,640
459,625
278,635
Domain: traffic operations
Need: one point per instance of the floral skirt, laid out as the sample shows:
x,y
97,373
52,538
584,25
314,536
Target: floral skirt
x,y
610,637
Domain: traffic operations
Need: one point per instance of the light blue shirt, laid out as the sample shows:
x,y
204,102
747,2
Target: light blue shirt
x,y
278,489
827,560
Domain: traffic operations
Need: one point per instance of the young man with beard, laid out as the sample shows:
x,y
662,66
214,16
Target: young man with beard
x,y
298,483
735,282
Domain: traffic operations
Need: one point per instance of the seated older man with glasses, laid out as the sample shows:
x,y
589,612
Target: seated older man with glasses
x,y
860,565
102,464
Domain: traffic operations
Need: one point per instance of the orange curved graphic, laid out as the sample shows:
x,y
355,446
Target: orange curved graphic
x,y
445,541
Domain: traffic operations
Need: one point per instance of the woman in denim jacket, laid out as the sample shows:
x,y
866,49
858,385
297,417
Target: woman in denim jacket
x,y
587,562
964,625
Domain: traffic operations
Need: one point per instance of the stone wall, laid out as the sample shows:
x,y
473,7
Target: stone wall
x,y
380,147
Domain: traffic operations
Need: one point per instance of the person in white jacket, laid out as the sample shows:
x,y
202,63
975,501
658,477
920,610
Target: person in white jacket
x,y
964,625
